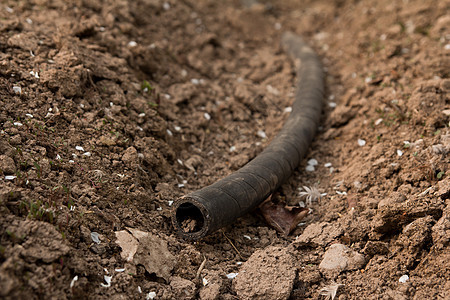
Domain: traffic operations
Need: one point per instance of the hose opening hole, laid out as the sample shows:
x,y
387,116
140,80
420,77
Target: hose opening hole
x,y
189,218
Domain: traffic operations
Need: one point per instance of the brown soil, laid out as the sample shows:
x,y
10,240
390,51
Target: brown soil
x,y
111,109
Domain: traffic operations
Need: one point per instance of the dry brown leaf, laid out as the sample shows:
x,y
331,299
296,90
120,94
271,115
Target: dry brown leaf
x,y
283,218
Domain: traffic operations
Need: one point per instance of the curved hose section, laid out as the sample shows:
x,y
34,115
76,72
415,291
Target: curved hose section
x,y
205,211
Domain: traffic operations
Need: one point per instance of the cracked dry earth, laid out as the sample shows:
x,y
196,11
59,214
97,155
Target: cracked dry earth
x,y
111,109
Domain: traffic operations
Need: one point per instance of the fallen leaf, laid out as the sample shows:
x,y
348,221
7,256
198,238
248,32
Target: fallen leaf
x,y
128,243
283,218
143,248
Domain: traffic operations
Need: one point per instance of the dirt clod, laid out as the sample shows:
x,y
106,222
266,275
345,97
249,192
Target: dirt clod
x,y
261,270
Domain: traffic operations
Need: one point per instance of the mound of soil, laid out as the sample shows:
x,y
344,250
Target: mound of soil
x,y
112,109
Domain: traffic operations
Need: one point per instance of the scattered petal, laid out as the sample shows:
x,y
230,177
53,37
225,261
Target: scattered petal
x,y
232,148
361,142
79,148
327,165
87,154
204,281
73,281
232,275
120,270
207,116
332,104
107,280
399,152
261,134
195,81
272,90
313,162
141,115
247,237
378,122
403,279
150,295
17,89
177,128
139,289
170,202
29,115
95,237
310,168
18,124
132,44
166,6
169,132
10,177
287,109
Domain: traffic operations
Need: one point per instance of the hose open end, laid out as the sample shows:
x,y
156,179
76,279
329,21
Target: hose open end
x,y
190,218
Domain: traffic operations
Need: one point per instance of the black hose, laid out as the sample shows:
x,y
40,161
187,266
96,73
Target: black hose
x,y
205,211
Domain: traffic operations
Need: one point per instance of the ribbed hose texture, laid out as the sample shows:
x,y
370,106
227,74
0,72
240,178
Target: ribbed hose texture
x,y
221,203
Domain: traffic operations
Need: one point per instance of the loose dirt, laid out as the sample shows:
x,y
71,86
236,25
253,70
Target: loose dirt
x,y
112,109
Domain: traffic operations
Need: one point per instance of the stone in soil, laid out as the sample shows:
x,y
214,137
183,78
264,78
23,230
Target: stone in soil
x,y
340,258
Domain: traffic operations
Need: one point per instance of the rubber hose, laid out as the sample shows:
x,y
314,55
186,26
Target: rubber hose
x,y
208,209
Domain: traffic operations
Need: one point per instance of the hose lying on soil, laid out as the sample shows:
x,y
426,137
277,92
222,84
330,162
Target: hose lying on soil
x,y
205,211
